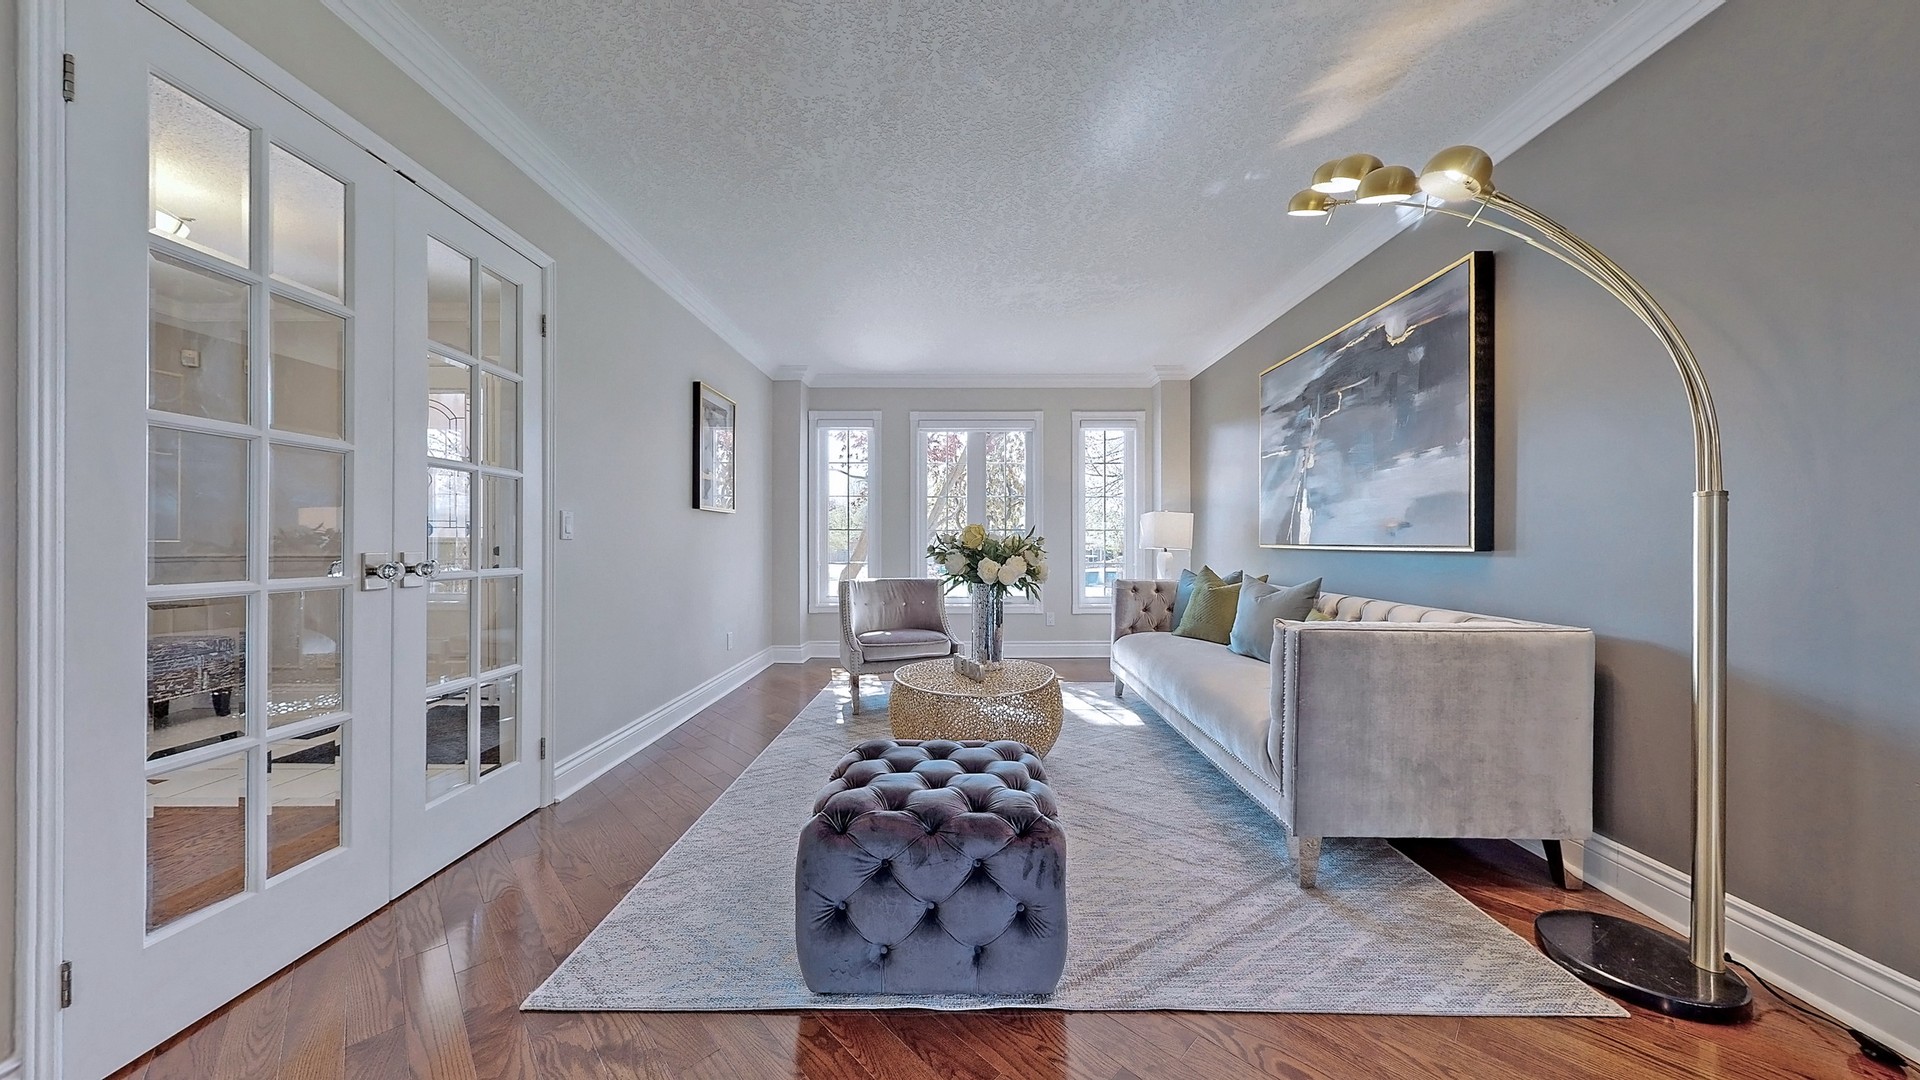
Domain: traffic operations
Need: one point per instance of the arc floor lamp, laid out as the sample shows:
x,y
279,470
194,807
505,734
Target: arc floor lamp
x,y
1647,967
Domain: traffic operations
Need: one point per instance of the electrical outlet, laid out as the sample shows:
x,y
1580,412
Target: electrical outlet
x,y
189,357
1049,618
566,524
729,641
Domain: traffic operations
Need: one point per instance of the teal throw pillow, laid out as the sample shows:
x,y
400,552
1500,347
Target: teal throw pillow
x,y
1258,605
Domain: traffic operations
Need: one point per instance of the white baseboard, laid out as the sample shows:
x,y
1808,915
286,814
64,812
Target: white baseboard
x,y
583,767
1024,650
1855,989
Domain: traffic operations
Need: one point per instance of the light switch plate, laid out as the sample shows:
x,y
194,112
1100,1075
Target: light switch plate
x,y
566,524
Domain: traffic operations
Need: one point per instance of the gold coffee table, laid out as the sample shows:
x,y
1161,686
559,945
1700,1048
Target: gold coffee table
x,y
1020,700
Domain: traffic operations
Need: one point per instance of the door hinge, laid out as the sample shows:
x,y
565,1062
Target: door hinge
x,y
543,326
543,748
66,76
66,984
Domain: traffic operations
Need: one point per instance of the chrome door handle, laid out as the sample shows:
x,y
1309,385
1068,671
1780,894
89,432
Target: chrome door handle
x,y
376,570
416,570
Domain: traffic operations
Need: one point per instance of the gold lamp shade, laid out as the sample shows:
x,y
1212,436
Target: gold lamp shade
x,y
1323,179
1353,168
1309,203
1458,173
1347,173
1388,184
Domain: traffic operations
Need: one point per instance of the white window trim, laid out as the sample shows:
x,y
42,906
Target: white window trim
x,y
815,523
1032,422
1134,421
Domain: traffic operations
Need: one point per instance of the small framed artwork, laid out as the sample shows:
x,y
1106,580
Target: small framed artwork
x,y
714,416
1379,436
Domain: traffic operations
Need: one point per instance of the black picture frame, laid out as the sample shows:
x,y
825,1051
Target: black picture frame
x,y
1380,436
715,459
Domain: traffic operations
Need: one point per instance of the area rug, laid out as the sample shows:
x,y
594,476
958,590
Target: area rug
x,y
1180,895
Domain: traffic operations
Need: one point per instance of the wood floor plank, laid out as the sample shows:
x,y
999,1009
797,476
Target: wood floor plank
x,y
431,985
436,1033
314,1046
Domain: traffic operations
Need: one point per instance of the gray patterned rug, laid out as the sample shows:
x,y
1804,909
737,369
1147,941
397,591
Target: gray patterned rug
x,y
1180,896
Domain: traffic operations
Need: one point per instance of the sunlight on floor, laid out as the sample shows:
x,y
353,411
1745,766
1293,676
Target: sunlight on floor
x,y
1093,706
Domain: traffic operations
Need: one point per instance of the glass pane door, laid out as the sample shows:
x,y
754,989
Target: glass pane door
x,y
229,447
469,315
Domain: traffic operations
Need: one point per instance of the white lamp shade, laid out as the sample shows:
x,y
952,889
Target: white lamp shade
x,y
1170,529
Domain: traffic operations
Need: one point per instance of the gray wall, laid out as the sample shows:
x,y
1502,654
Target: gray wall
x,y
898,458
1755,174
626,355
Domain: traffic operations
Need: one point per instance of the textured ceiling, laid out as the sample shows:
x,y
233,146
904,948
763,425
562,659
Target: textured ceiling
x,y
874,189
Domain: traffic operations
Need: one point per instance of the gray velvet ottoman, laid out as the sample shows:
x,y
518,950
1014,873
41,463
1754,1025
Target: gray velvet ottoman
x,y
933,867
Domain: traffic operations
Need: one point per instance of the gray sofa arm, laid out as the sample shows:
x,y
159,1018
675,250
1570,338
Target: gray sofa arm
x,y
1435,729
1142,605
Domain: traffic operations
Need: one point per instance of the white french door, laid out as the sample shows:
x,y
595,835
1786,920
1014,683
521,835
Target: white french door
x,y
264,743
466,761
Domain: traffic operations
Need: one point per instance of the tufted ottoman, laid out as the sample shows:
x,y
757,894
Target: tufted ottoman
x,y
933,867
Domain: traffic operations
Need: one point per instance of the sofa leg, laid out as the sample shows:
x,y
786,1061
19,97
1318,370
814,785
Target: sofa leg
x,y
1119,688
853,684
1557,867
1306,856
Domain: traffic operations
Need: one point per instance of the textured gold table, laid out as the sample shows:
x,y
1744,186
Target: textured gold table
x,y
1020,700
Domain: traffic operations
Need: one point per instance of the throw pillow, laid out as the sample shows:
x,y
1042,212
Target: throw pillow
x,y
1209,615
1316,615
1183,592
1259,605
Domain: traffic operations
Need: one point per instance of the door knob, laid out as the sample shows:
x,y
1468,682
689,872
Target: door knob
x,y
416,570
376,570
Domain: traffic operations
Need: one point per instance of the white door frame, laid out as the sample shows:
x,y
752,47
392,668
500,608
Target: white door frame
x,y
42,352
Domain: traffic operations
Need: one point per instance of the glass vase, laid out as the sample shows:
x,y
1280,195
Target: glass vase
x,y
989,619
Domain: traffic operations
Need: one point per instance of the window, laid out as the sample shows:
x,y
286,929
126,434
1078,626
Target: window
x,y
975,468
845,502
1106,454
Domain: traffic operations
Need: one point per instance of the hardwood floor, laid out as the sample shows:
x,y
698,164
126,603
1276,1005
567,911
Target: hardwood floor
x,y
430,986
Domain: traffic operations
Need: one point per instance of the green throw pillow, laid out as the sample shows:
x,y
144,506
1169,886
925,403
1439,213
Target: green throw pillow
x,y
1209,614
1189,581
1259,605
1316,615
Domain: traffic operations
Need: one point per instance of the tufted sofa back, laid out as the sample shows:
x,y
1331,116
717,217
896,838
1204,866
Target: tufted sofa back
x,y
1143,606
893,604
1364,609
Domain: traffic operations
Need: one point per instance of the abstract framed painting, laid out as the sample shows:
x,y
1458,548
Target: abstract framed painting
x,y
1379,436
714,423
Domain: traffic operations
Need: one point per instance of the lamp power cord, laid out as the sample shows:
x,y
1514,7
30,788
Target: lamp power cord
x,y
1873,1048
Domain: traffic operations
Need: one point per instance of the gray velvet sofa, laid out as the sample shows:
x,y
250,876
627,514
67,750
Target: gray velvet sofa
x,y
1389,720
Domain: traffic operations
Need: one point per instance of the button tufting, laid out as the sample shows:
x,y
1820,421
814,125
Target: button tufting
x,y
1019,907
841,906
978,863
931,905
884,950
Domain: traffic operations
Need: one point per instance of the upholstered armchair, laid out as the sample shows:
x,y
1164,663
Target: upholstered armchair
x,y
887,622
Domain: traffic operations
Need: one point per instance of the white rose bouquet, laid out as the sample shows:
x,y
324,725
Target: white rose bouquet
x,y
1015,562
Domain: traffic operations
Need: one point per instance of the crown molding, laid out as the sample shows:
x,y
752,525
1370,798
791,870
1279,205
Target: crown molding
x,y
422,57
1637,34
984,381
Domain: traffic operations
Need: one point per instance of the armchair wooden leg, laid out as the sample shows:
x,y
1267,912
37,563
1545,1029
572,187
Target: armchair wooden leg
x,y
1119,688
1306,856
853,683
1557,867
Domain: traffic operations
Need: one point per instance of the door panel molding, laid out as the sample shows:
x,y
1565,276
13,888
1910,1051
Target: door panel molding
x,y
41,569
